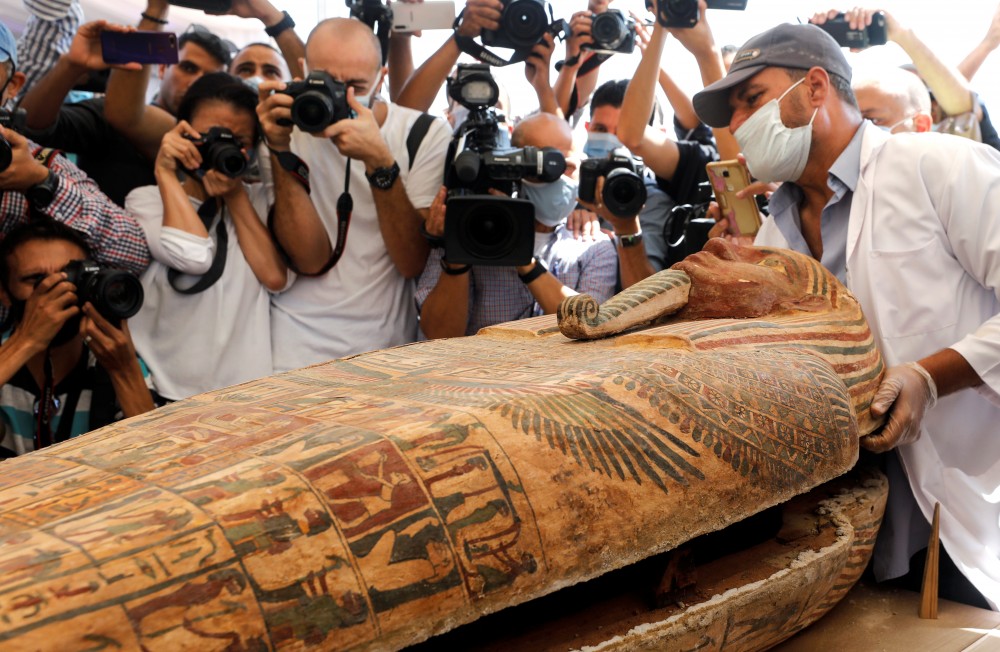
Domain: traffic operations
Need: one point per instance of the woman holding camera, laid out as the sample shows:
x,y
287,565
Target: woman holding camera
x,y
205,323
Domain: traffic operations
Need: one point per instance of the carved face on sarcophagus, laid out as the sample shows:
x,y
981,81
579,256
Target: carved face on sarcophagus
x,y
374,501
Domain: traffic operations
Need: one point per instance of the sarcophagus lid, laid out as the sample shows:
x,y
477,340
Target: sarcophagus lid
x,y
375,501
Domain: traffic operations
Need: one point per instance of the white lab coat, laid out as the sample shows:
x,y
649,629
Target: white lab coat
x,y
923,259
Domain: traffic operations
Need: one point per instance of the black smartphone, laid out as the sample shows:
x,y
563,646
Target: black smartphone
x,y
208,6
139,47
857,39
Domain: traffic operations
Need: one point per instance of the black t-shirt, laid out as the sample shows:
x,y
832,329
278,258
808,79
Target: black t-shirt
x,y
683,187
102,152
987,129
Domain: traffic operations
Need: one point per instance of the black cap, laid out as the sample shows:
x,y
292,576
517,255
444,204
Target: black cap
x,y
784,46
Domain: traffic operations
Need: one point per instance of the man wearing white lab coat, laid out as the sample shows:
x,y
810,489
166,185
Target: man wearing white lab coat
x,y
909,223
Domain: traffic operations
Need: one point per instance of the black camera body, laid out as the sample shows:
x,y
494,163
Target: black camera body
x,y
14,120
523,23
624,192
221,151
613,32
684,13
116,294
320,101
370,12
857,39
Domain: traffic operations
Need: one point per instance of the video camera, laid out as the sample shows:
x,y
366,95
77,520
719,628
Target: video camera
x,y
523,23
221,151
481,228
624,191
320,100
378,16
613,32
116,294
14,120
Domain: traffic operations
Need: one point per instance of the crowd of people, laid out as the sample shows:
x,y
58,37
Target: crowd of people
x,y
299,256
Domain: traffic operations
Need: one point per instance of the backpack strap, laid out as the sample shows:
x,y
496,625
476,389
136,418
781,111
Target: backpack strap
x,y
417,133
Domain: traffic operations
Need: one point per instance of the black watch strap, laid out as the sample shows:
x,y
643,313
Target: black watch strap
x,y
533,273
280,26
383,178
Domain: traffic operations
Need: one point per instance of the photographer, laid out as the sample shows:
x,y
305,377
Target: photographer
x,y
358,296
460,299
573,89
64,370
206,322
39,182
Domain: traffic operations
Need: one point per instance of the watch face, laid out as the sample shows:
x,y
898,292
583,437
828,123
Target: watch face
x,y
383,178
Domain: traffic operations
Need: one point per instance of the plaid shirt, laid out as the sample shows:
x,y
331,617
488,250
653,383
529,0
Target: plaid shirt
x,y
114,237
497,295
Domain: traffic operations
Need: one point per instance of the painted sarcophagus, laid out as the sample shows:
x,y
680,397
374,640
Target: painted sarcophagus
x,y
375,501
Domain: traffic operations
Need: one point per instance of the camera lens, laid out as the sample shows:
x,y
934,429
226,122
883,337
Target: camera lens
x,y
227,159
608,30
491,234
624,192
312,111
116,295
524,22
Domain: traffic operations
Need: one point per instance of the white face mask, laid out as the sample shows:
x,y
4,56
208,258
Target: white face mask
x,y
773,151
889,128
366,100
553,201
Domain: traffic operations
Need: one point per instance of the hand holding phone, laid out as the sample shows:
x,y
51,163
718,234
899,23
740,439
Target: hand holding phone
x,y
727,178
139,47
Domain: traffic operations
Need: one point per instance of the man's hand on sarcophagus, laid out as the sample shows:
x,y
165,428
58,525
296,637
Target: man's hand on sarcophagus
x,y
906,393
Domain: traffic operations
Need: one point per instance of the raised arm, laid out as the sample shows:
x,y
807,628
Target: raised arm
x,y
971,63
293,50
537,70
125,105
47,34
421,88
46,96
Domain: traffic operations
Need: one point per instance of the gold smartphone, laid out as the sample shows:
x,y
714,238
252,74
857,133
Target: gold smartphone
x,y
727,177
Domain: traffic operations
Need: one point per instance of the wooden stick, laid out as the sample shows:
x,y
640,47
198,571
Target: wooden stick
x,y
929,590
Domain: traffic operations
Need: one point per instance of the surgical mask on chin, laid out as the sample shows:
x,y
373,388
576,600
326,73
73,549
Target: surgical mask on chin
x,y
553,201
366,100
774,152
600,144
889,128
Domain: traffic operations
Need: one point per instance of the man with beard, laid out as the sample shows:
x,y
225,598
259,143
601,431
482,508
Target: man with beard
x,y
65,370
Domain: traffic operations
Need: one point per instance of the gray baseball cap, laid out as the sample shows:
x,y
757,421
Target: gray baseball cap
x,y
8,45
784,46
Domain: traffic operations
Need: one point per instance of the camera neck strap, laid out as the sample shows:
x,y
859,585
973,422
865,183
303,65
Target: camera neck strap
x,y
207,212
469,46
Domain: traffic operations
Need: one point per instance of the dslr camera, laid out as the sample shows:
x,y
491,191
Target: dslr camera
x,y
612,32
116,294
684,13
320,100
14,120
370,12
523,23
624,191
221,151
481,228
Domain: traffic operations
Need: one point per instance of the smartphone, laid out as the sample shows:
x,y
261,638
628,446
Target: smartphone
x,y
410,17
726,178
857,39
139,47
208,6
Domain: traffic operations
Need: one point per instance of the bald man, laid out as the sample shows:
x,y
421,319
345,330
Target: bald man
x,y
894,100
354,291
456,300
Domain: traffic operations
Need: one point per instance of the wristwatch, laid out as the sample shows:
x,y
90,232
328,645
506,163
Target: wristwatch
x,y
383,178
285,23
42,193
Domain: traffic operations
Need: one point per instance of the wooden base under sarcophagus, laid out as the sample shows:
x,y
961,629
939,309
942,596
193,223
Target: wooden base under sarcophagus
x,y
374,502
